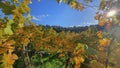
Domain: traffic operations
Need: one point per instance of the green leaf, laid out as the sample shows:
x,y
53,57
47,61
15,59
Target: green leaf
x,y
91,51
49,65
44,59
6,7
79,46
70,2
22,21
29,16
8,29
10,22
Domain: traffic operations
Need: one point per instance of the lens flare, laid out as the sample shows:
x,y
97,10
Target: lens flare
x,y
111,13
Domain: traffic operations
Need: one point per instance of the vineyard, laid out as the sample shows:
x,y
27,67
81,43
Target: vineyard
x,y
23,44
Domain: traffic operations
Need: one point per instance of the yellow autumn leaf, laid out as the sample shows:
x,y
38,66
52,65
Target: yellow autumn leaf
x,y
26,2
8,43
26,8
16,13
9,60
78,60
65,1
74,4
21,9
99,34
61,55
13,58
102,22
25,41
104,42
2,50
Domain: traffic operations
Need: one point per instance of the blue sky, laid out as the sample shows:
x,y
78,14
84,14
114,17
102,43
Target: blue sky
x,y
49,12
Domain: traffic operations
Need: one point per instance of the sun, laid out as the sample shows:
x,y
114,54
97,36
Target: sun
x,y
111,13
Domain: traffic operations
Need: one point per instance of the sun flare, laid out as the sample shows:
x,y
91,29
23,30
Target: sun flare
x,y
111,13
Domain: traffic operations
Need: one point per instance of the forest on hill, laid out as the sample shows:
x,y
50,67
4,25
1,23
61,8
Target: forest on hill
x,y
76,29
23,44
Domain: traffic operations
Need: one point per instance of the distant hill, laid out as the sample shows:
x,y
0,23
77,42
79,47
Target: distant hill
x,y
76,29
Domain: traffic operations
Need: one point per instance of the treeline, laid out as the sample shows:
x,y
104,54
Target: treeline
x,y
76,29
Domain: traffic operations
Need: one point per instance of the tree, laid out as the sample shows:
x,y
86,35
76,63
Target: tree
x,y
109,38
14,26
10,27
14,34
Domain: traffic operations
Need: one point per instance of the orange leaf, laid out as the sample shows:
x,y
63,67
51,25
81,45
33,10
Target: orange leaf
x,y
104,42
99,34
80,7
